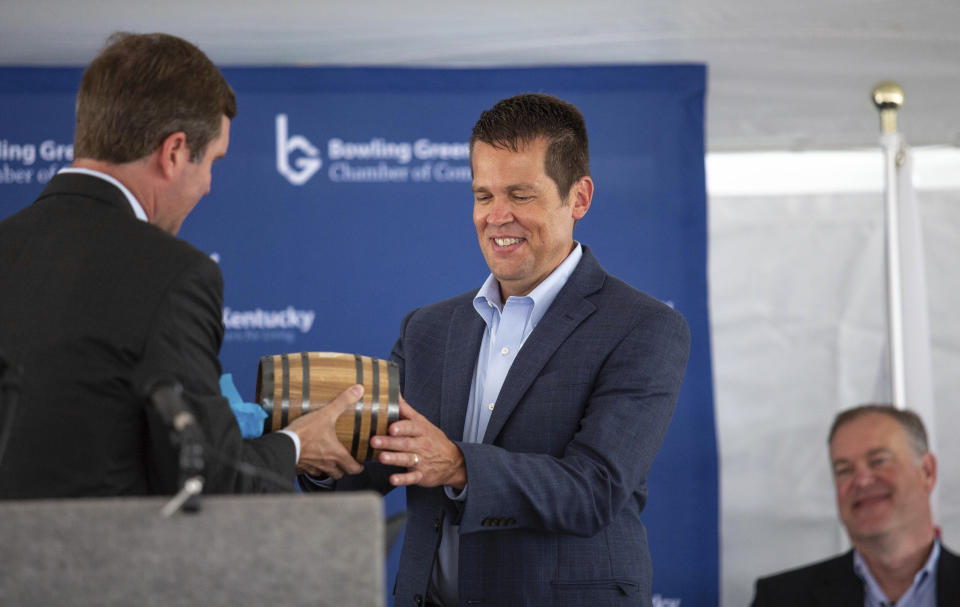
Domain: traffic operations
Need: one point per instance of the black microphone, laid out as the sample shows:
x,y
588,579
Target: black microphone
x,y
166,396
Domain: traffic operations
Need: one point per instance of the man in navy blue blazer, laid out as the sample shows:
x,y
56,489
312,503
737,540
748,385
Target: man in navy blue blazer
x,y
538,402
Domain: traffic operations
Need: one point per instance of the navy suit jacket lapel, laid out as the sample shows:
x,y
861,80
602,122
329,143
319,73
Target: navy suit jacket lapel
x,y
568,310
460,359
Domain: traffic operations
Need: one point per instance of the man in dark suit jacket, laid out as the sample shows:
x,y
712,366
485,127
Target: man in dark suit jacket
x,y
883,474
99,299
538,402
834,583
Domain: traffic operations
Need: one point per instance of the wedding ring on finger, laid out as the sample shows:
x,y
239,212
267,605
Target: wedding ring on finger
x,y
416,460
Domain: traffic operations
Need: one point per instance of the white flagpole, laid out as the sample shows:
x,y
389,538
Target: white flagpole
x,y
911,368
888,97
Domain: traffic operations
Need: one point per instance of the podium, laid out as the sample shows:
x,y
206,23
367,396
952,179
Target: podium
x,y
274,550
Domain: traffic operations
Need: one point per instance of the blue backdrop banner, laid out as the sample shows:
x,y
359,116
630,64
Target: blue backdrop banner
x,y
345,201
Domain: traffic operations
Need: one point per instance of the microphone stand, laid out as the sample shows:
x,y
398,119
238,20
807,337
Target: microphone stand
x,y
191,470
167,398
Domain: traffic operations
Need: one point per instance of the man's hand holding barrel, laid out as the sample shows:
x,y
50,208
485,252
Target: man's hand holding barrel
x,y
321,452
430,457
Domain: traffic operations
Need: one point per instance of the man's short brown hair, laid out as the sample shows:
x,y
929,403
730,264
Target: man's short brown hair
x,y
141,89
517,121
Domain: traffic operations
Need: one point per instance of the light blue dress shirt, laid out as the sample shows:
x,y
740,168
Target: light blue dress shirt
x,y
507,327
922,593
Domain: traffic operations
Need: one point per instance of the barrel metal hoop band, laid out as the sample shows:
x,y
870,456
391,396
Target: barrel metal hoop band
x,y
393,393
285,399
358,415
266,391
305,390
375,408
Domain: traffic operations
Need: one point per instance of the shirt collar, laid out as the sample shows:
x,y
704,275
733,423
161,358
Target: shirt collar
x,y
131,199
927,572
542,295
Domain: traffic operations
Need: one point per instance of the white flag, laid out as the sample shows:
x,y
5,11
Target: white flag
x,y
914,315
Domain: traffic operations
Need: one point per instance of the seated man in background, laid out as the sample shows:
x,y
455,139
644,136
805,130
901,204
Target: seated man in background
x,y
98,299
884,474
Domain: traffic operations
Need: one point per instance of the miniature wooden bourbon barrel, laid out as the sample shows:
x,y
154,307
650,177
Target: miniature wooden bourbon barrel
x,y
291,385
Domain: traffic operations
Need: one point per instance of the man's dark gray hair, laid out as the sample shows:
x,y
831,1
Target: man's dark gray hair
x,y
910,422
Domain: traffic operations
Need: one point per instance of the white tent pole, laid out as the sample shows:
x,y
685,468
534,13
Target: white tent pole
x,y
888,98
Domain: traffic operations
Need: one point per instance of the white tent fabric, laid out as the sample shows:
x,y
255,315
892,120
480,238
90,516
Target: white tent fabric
x,y
782,75
799,326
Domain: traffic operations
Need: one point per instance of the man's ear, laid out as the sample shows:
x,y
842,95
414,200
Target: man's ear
x,y
928,464
580,196
174,154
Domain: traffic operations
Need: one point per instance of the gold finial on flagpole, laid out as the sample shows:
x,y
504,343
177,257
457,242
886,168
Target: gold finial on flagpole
x,y
888,97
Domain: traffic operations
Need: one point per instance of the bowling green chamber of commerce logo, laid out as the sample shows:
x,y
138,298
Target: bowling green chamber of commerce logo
x,y
29,162
302,157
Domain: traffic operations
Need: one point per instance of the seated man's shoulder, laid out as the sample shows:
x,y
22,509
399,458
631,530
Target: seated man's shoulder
x,y
948,576
949,555
787,587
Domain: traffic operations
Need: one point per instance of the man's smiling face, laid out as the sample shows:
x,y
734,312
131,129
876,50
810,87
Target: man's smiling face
x,y
524,226
882,485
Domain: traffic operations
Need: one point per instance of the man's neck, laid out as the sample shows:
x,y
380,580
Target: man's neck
x,y
894,562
